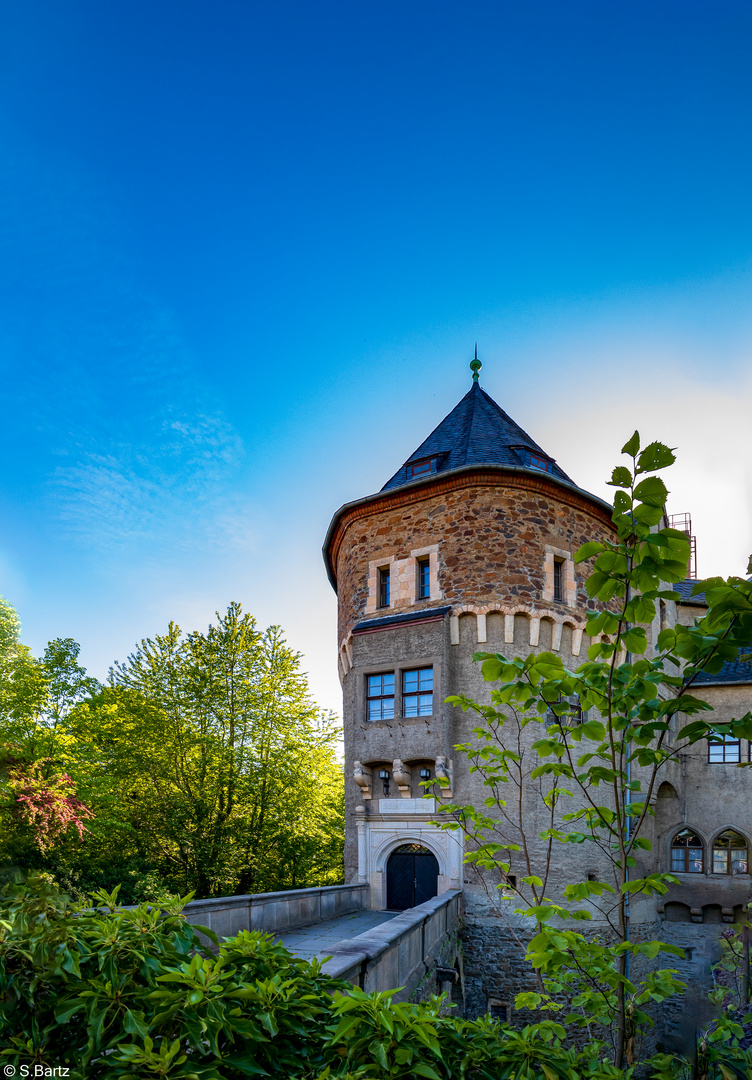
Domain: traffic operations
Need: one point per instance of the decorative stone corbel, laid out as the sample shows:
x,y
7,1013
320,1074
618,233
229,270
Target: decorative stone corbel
x,y
402,777
443,770
363,777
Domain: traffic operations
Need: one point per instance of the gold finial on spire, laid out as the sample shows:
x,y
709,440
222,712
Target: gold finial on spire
x,y
475,364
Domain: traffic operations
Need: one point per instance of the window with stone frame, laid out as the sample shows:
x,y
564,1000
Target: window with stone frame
x,y
566,710
384,596
559,581
417,692
499,1010
724,750
687,853
730,853
423,567
380,696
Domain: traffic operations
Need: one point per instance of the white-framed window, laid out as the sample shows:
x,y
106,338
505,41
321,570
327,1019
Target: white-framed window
x,y
727,750
417,692
380,696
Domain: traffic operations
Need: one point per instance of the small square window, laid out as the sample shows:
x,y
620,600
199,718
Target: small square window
x,y
538,462
422,468
380,696
498,1010
384,587
424,579
417,692
727,752
570,712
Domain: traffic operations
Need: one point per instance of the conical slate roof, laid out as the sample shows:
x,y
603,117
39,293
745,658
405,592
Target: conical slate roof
x,y
476,432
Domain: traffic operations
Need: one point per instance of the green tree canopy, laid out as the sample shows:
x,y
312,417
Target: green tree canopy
x,y
204,760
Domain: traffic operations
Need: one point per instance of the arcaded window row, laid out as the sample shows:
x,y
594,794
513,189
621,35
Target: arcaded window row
x,y
729,853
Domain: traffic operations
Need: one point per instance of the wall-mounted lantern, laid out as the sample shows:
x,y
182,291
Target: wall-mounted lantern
x,y
384,775
425,774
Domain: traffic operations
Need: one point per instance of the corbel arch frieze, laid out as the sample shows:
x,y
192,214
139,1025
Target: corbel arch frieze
x,y
535,615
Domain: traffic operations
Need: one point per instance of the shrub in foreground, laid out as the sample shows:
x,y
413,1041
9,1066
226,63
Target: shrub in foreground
x,y
109,993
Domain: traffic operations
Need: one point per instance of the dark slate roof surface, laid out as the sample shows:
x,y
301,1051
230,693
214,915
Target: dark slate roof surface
x,y
684,588
408,617
476,432
733,671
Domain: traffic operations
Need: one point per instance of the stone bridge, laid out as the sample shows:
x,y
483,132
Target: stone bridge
x,y
416,949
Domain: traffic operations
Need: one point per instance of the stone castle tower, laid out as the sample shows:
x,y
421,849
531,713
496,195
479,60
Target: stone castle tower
x,y
469,547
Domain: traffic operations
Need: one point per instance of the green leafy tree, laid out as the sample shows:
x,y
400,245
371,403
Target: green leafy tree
x,y
39,802
596,778
23,682
202,764
225,767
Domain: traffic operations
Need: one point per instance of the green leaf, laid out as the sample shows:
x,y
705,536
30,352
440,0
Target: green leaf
x,y
425,1070
647,514
206,932
594,730
134,1024
345,1026
67,1009
655,456
621,477
652,491
632,446
586,551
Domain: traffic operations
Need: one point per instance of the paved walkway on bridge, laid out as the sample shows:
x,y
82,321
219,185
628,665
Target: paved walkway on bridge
x,y
317,940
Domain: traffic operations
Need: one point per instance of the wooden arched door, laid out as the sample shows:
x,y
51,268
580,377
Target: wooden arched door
x,y
412,876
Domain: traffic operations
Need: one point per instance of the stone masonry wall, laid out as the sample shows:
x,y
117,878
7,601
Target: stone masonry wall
x,y
491,530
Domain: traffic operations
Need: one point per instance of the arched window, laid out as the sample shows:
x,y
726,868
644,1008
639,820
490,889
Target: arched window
x,y
686,853
730,853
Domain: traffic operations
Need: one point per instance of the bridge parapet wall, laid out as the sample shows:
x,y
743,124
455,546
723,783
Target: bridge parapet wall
x,y
275,912
402,951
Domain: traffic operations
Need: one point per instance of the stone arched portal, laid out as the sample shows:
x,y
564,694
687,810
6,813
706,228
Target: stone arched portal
x,y
412,876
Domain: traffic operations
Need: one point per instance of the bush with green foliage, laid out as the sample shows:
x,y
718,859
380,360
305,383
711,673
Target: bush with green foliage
x,y
111,993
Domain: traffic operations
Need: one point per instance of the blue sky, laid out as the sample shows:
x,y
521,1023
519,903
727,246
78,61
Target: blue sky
x,y
246,250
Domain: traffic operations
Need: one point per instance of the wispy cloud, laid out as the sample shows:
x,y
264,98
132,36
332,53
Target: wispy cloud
x,y
104,386
176,487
